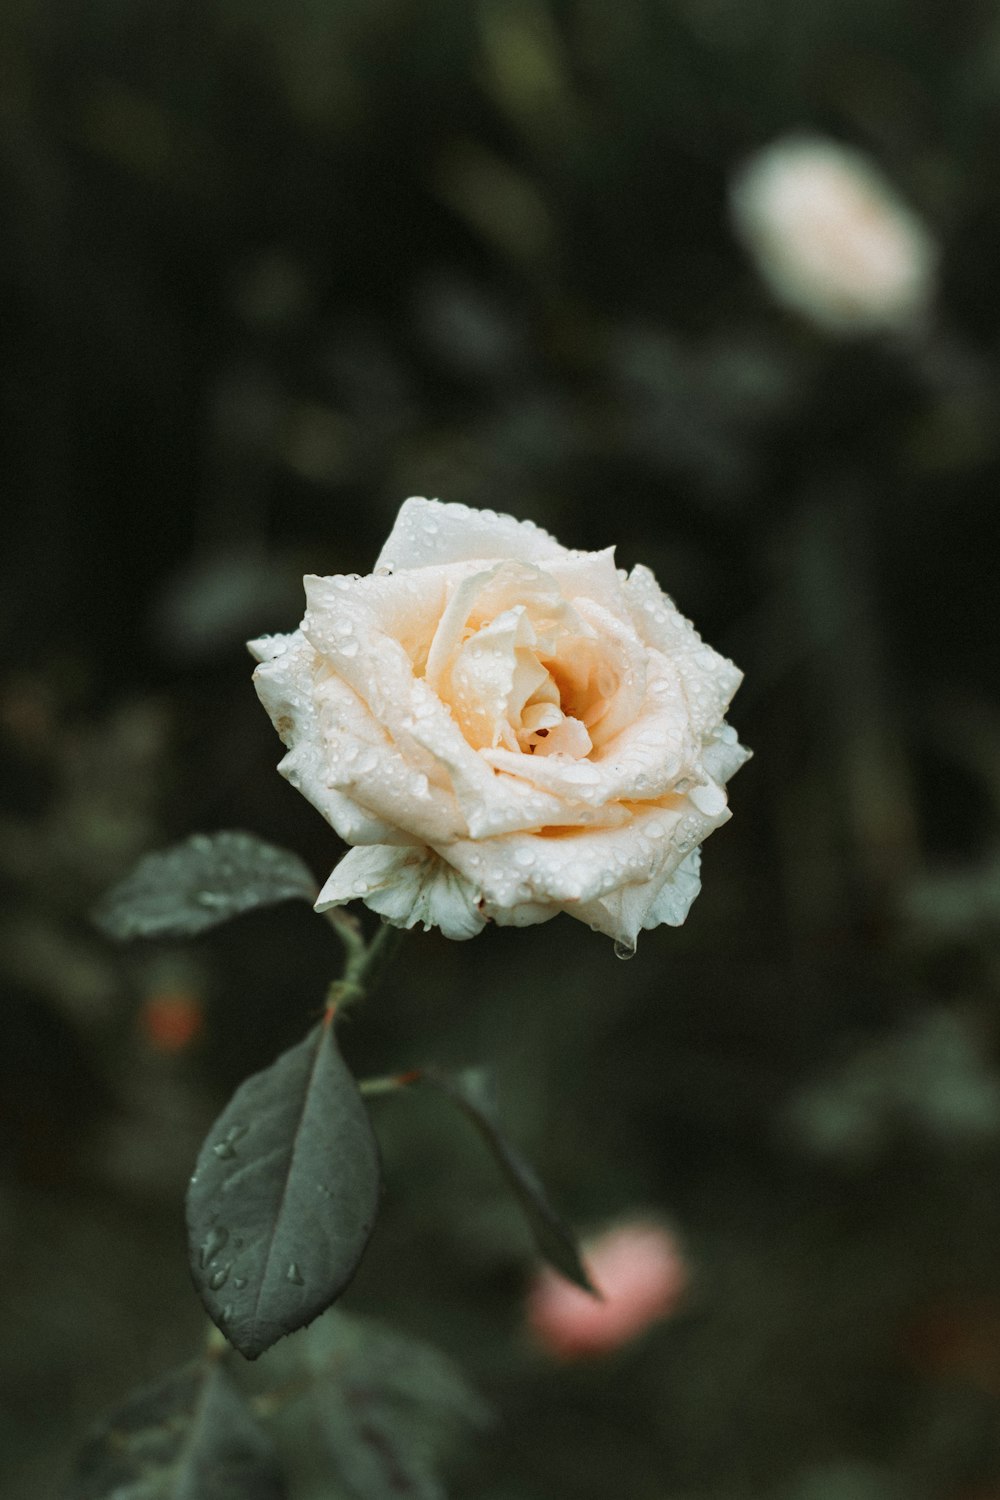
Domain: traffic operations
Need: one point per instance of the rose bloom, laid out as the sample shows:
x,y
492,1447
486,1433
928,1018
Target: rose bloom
x,y
641,1274
504,729
831,237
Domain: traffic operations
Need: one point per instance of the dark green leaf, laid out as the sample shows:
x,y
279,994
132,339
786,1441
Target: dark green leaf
x,y
206,880
379,1411
192,1437
284,1196
473,1094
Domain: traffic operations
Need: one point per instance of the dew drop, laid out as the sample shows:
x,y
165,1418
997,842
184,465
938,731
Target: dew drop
x,y
213,1242
294,1275
220,1277
239,1282
225,1149
624,950
227,1312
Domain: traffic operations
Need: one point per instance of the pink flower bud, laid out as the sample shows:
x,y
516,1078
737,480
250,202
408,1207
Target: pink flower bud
x,y
640,1271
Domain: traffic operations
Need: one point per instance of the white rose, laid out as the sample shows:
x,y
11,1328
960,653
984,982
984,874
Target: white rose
x,y
505,729
831,237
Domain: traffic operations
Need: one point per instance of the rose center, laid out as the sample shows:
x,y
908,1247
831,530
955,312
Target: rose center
x,y
531,677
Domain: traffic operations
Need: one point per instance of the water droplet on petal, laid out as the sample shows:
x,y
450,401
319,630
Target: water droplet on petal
x,y
624,950
239,1282
294,1275
220,1277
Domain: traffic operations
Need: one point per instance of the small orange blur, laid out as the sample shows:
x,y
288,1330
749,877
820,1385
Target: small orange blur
x,y
171,1021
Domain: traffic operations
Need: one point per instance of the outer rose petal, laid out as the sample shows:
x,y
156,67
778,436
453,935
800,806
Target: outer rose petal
x,y
285,664
426,532
406,886
581,872
624,913
709,679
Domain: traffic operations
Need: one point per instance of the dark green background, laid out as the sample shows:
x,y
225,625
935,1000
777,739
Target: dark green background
x,y
267,270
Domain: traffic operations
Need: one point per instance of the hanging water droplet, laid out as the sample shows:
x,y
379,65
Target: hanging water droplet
x,y
294,1275
213,1242
220,1277
624,950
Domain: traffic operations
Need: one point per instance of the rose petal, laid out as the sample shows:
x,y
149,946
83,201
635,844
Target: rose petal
x,y
641,763
422,730
406,886
492,676
287,661
710,680
572,869
592,576
426,532
722,757
624,913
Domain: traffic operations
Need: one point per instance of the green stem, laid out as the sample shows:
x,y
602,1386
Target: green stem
x,y
348,929
364,965
377,957
390,1083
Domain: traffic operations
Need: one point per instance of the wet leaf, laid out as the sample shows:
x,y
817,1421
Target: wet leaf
x,y
379,1411
473,1093
284,1196
191,1437
207,879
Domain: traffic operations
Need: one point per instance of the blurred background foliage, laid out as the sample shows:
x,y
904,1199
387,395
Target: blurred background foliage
x,y
267,270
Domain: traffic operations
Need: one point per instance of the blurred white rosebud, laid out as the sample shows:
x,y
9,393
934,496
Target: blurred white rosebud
x,y
832,238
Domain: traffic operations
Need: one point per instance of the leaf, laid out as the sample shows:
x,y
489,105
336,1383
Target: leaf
x,y
191,1437
195,885
379,1410
284,1196
472,1092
